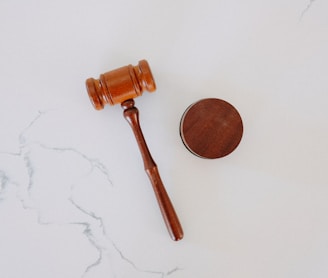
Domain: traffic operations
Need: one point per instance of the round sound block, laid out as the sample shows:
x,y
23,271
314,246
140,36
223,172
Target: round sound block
x,y
211,128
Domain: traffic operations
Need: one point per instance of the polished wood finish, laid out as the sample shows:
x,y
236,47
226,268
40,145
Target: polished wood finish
x,y
211,128
121,86
116,86
173,225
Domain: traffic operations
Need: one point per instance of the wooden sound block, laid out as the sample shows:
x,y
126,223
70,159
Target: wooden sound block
x,y
211,128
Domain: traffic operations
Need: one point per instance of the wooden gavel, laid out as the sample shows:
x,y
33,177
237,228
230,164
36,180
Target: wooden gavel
x,y
122,85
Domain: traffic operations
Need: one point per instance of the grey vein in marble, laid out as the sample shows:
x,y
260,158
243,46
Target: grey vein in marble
x,y
4,179
307,8
94,163
88,232
109,245
93,225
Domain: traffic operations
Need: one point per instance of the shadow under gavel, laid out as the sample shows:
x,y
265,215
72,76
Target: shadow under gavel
x,y
122,85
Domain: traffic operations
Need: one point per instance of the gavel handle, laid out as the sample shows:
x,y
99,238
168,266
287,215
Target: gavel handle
x,y
131,114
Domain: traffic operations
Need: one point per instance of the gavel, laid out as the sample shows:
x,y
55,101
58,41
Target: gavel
x,y
122,85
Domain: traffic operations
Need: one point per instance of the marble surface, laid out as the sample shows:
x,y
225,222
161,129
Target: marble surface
x,y
74,199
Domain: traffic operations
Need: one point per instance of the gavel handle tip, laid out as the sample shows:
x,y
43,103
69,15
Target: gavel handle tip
x,y
169,215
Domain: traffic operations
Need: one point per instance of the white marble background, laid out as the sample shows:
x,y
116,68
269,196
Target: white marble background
x,y
74,199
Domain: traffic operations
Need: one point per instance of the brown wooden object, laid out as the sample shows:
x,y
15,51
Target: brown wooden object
x,y
211,128
116,86
121,86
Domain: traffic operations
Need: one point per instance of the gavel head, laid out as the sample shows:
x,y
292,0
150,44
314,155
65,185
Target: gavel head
x,y
121,84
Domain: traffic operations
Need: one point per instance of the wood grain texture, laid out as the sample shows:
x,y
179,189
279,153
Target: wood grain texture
x,y
171,220
116,86
211,128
